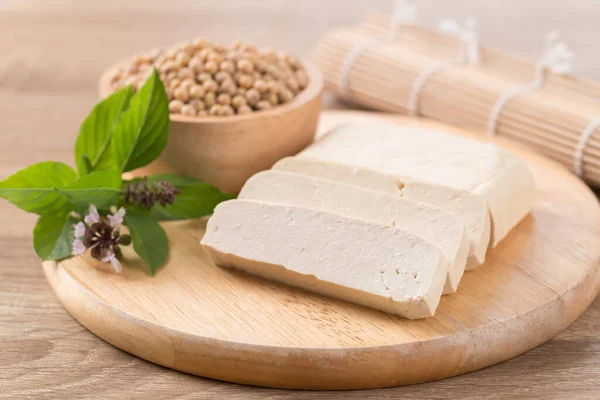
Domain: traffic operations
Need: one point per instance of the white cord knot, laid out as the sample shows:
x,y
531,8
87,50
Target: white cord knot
x,y
558,57
404,12
467,35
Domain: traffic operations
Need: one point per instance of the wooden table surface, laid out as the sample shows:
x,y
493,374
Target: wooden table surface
x,y
51,54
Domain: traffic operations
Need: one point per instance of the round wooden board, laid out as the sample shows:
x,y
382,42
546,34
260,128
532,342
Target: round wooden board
x,y
218,323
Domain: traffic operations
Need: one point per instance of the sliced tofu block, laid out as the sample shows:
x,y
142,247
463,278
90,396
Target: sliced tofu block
x,y
496,174
361,262
440,228
470,209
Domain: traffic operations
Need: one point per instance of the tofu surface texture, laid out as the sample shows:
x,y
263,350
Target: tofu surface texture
x,y
471,209
358,261
494,173
440,228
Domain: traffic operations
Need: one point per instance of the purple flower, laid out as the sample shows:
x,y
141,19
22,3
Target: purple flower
x,y
117,218
101,236
93,217
112,258
78,247
79,230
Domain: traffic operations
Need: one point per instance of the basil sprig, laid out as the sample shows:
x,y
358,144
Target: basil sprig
x,y
125,131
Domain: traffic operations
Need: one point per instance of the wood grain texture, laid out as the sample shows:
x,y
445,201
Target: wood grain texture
x,y
52,54
225,152
199,318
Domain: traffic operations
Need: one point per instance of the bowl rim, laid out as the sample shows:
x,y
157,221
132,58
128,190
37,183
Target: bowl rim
x,y
314,89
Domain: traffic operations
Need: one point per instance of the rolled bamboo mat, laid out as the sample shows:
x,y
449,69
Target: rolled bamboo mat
x,y
550,119
496,61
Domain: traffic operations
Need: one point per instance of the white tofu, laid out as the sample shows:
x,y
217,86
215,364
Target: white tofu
x,y
361,262
440,228
470,209
435,157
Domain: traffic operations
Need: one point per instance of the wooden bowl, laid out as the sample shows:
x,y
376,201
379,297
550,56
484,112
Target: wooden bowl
x,y
226,151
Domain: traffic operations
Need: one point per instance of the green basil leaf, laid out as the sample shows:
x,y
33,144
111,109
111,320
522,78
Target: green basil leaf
x,y
149,239
101,188
86,165
194,200
96,132
142,131
34,189
53,236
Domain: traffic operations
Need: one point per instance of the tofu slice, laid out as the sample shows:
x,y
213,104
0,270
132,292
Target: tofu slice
x,y
494,173
442,229
358,261
470,209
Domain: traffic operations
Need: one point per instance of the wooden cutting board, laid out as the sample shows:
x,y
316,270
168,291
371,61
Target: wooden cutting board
x,y
205,320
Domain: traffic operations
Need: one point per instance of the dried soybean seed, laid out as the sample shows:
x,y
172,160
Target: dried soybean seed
x,y
210,67
245,66
238,101
227,66
197,104
227,110
203,54
273,87
273,99
228,87
252,96
174,83
187,83
196,65
245,109
181,94
263,105
171,75
203,77
260,85
188,110
215,109
175,106
285,95
293,84
182,59
210,85
209,99
222,76
197,91
246,81
224,99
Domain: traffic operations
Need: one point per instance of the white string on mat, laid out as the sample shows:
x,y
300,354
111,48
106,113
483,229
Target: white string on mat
x,y
404,12
557,58
583,139
469,53
348,63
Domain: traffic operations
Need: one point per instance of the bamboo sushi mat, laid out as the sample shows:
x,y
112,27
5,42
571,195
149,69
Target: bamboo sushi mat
x,y
448,76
